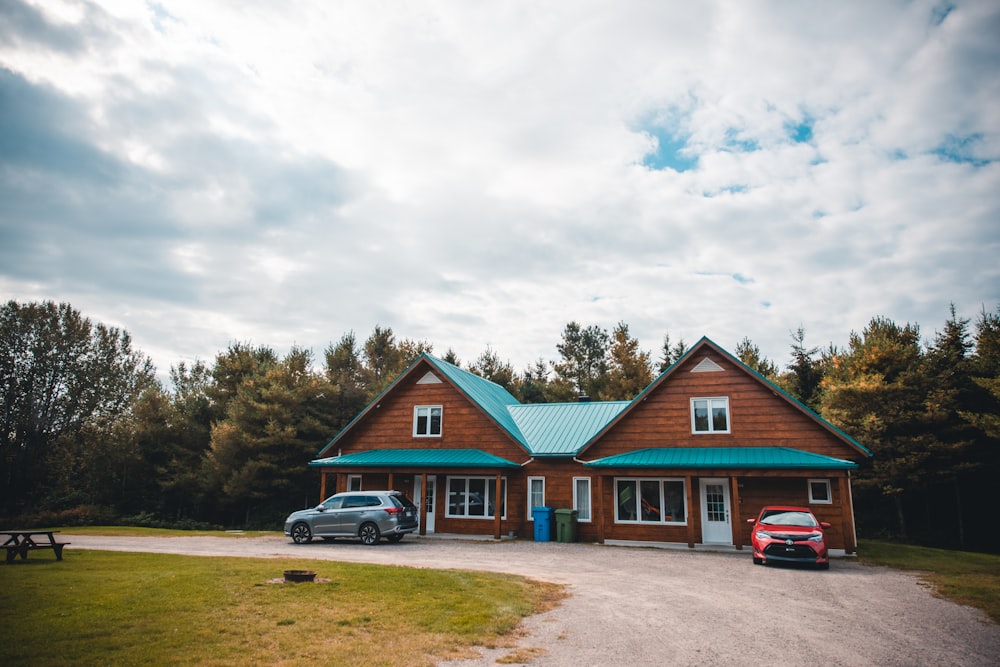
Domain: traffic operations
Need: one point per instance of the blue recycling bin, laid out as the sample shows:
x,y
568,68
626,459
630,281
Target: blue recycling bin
x,y
543,523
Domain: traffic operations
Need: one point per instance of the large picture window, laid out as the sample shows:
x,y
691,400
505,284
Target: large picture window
x,y
646,500
475,497
710,415
427,421
581,498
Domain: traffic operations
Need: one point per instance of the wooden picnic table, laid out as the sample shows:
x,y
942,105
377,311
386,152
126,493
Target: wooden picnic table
x,y
20,542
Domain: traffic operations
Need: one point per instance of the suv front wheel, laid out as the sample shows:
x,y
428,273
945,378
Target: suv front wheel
x,y
301,533
369,534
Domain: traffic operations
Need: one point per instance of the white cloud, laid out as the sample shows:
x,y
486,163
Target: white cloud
x,y
472,174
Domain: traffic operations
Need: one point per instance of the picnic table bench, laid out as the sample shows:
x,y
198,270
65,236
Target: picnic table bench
x,y
20,542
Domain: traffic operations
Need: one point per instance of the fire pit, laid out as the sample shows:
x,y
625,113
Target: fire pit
x,y
299,575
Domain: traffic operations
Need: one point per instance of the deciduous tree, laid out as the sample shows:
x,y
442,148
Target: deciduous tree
x,y
65,383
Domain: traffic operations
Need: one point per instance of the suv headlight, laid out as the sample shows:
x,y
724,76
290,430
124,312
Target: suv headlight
x,y
761,535
816,537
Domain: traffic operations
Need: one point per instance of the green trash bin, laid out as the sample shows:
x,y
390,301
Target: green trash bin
x,y
566,525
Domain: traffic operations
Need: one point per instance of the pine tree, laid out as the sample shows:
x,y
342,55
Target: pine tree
x,y
584,362
749,354
629,369
875,391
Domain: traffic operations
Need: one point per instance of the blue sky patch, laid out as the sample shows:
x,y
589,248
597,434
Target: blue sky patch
x,y
669,153
801,133
941,12
735,142
961,150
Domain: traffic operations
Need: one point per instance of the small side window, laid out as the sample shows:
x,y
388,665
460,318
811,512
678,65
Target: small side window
x,y
819,492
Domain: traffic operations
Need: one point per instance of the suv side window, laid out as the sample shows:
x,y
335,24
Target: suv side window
x,y
355,501
334,503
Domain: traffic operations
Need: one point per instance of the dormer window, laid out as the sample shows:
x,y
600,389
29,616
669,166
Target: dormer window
x,y
710,415
427,421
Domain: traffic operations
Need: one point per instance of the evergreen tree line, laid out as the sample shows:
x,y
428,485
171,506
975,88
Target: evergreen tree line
x,y
89,435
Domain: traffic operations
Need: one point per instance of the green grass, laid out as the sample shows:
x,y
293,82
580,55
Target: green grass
x,y
142,531
154,609
964,577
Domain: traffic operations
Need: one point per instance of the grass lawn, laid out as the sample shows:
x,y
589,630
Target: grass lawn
x,y
156,609
142,531
962,576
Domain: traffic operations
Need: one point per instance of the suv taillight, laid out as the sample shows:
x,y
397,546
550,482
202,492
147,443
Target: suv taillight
x,y
393,510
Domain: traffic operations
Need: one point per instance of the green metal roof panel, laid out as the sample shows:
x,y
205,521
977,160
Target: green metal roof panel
x,y
782,458
491,397
561,429
439,458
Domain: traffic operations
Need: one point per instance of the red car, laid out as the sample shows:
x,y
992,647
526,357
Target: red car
x,y
782,534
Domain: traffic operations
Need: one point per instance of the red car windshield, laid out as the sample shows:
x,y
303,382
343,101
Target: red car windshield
x,y
788,518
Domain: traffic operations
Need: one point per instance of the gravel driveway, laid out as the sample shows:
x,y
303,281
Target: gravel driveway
x,y
641,606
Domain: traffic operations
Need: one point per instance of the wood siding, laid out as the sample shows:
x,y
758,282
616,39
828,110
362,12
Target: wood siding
x,y
389,423
759,417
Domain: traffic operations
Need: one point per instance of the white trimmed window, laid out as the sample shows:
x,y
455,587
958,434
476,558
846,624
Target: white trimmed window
x,y
354,482
475,497
710,415
427,421
820,492
581,498
536,495
650,500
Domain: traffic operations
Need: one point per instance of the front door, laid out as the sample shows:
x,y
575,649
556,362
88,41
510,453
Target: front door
x,y
425,496
715,512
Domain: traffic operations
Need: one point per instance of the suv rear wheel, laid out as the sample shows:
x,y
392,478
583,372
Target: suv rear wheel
x,y
301,533
369,534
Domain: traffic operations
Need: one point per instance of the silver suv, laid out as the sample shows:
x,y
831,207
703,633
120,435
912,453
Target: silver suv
x,y
368,515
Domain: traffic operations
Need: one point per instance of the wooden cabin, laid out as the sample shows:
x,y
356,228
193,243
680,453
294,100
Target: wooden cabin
x,y
698,452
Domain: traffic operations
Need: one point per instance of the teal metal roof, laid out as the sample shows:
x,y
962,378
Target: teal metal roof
x,y
561,429
491,397
781,458
440,458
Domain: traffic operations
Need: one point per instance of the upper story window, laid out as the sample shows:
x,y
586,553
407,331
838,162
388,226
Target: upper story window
x,y
427,421
710,415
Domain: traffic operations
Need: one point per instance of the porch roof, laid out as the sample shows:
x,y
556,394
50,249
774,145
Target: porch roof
x,y
413,458
779,458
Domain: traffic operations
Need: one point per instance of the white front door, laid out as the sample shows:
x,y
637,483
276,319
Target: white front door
x,y
426,496
715,512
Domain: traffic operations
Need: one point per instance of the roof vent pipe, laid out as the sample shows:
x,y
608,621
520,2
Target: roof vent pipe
x,y
583,398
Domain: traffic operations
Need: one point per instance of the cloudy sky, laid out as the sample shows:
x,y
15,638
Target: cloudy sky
x,y
479,174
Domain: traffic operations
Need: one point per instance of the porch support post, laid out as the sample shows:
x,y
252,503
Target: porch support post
x,y
423,503
735,514
390,481
689,482
497,512
322,484
847,510
600,509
